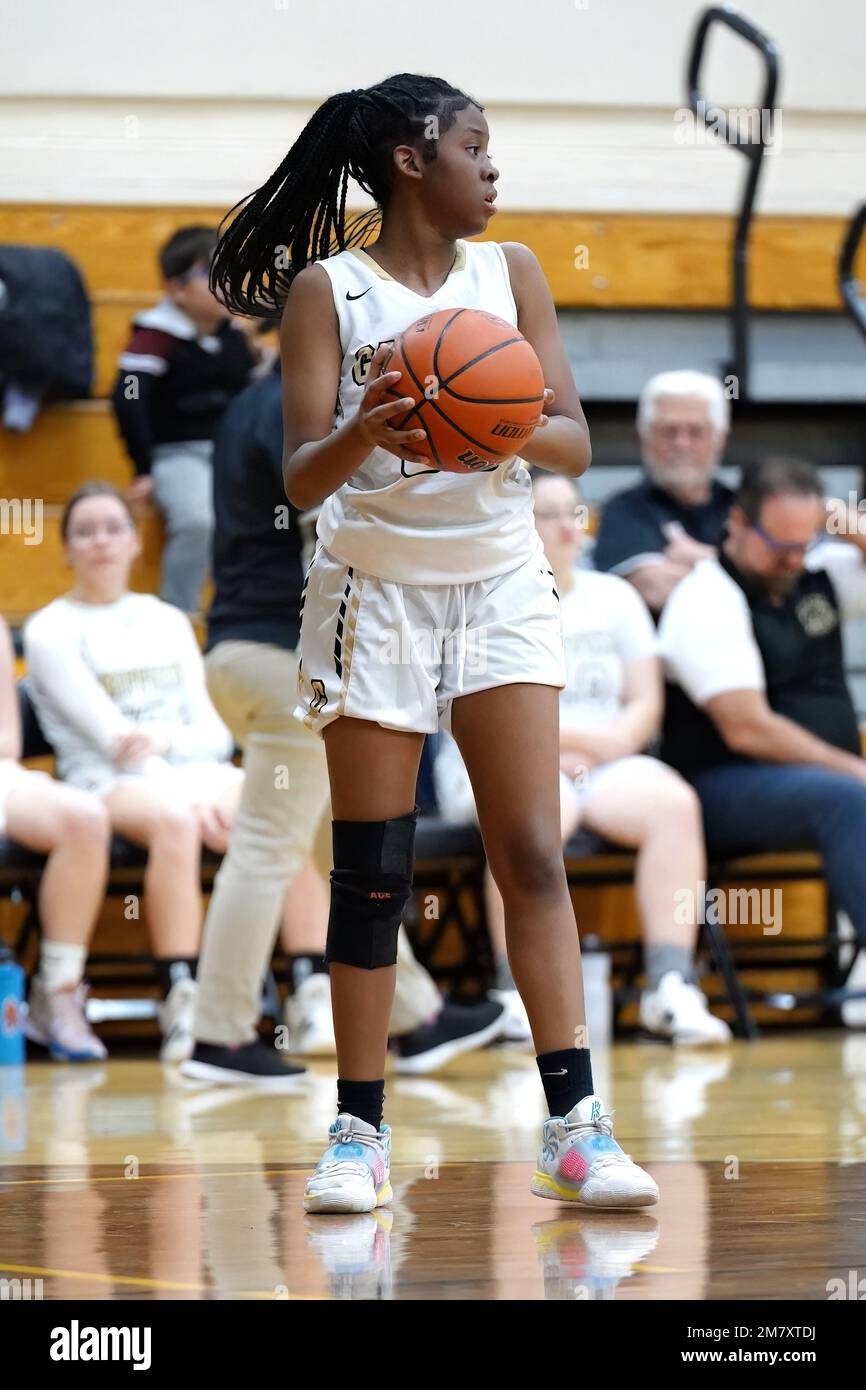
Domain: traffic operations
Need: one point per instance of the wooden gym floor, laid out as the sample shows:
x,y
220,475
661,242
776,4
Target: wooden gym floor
x,y
120,1181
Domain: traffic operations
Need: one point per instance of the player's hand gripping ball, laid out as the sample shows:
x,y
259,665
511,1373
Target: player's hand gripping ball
x,y
476,384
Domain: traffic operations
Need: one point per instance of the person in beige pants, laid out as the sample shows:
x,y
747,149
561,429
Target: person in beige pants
x,y
281,836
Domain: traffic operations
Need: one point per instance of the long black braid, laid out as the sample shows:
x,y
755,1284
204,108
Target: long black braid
x,y
299,215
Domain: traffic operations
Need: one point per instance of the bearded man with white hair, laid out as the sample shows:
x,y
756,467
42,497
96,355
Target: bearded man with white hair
x,y
654,533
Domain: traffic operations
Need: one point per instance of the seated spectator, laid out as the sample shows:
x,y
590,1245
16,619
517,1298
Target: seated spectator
x,y
118,683
759,716
652,534
184,362
610,708
71,828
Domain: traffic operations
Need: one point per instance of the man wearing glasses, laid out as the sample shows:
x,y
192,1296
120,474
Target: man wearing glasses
x,y
654,533
759,717
184,362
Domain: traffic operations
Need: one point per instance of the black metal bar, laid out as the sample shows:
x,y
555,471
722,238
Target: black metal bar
x,y
744,1024
753,149
849,286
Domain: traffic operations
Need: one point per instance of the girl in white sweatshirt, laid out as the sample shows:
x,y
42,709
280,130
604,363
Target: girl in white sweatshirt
x,y
118,683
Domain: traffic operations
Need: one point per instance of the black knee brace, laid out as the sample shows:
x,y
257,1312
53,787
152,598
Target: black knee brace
x,y
370,883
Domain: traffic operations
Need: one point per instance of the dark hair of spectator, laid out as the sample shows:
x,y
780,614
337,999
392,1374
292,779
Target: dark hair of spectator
x,y
537,474
185,248
776,477
299,215
87,490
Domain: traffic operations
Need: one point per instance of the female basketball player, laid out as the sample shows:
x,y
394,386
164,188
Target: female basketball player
x,y
408,551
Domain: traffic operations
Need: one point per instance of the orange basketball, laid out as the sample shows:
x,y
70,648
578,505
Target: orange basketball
x,y
476,383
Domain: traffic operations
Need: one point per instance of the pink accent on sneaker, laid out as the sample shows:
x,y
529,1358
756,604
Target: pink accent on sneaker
x,y
574,1166
378,1173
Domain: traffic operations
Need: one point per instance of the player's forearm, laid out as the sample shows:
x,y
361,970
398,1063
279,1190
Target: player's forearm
x,y
321,466
562,446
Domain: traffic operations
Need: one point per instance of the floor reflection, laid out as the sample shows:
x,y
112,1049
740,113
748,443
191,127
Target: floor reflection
x,y
119,1181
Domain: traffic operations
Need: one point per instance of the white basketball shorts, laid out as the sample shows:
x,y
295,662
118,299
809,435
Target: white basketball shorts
x,y
398,654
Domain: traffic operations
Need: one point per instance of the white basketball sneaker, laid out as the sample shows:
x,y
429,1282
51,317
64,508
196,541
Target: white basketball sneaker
x,y
678,1012
581,1162
308,1017
177,1021
356,1252
354,1173
515,1027
586,1257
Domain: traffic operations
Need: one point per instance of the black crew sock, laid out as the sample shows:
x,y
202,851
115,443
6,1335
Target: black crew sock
x,y
566,1077
304,965
363,1099
170,969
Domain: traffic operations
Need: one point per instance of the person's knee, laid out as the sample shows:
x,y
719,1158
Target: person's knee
x,y
370,884
84,822
175,832
529,863
264,847
838,801
195,529
674,805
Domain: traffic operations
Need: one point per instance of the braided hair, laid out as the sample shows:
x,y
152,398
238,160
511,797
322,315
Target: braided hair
x,y
299,215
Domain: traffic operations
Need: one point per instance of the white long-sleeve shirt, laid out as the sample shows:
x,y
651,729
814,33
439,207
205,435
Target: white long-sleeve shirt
x,y
101,670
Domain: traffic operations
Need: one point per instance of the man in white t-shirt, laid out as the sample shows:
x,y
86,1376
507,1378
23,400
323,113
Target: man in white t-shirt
x,y
759,716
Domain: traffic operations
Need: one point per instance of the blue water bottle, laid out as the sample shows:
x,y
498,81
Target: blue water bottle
x,y
11,1003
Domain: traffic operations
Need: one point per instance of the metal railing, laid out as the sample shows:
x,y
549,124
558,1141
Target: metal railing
x,y
753,150
849,286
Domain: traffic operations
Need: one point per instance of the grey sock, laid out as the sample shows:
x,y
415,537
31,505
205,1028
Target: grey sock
x,y
658,960
503,978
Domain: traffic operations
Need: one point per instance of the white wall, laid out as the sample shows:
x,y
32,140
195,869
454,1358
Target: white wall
x,y
196,101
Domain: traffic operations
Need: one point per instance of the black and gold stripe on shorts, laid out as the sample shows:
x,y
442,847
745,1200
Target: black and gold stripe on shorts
x,y
341,620
344,637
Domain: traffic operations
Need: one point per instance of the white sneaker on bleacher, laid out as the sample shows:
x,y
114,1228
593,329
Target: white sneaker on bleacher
x,y
678,1012
177,1021
310,1020
516,1027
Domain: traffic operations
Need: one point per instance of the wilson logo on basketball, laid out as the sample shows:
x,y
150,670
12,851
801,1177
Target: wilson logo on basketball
x,y
510,429
470,460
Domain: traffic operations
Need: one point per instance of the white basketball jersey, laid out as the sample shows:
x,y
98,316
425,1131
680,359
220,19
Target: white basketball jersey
x,y
402,521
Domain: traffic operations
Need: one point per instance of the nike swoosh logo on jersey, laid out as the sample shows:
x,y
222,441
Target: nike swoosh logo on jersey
x,y
359,296
564,1072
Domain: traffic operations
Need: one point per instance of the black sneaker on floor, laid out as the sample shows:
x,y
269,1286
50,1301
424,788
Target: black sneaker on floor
x,y
254,1064
457,1028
